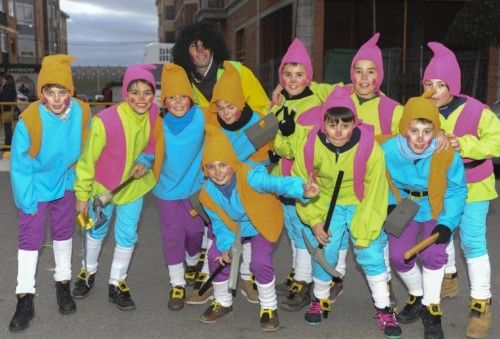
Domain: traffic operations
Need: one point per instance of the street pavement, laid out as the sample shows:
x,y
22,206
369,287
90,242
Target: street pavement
x,y
96,317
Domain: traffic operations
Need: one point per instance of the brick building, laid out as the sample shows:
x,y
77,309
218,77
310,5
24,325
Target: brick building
x,y
259,31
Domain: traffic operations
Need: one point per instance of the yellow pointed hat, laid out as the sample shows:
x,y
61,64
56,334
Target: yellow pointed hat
x,y
56,69
217,147
417,108
174,81
228,88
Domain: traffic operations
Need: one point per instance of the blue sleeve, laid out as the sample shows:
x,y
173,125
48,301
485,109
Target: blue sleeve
x,y
243,147
146,160
392,198
262,182
224,237
21,173
455,195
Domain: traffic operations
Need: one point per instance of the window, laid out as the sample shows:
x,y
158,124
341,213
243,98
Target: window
x,y
11,7
240,45
169,12
24,13
4,47
26,45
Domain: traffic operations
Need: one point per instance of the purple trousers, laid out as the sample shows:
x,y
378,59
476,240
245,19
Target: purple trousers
x,y
180,231
433,257
261,262
61,213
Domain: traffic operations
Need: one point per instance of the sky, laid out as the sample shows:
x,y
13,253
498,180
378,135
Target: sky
x,y
110,32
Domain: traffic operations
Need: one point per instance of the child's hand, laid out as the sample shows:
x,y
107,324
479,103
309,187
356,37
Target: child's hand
x,y
287,125
320,234
442,141
311,188
138,170
454,142
82,207
224,258
276,95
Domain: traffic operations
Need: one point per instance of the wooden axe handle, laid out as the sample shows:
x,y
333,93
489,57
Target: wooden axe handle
x,y
421,245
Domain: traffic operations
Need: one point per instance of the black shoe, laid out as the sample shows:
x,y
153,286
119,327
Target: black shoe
x,y
412,310
81,289
25,311
64,299
432,322
120,295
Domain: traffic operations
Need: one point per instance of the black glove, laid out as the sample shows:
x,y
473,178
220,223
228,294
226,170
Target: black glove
x,y
444,234
390,208
287,125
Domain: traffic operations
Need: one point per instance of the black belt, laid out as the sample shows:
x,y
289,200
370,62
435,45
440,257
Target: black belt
x,y
417,194
473,163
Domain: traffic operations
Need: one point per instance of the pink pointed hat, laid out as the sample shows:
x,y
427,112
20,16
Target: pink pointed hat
x,y
136,72
444,66
296,53
370,51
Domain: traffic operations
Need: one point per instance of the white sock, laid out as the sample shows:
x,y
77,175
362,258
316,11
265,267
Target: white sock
x,y
93,250
321,289
432,281
222,294
26,270
387,262
246,257
480,277
192,260
380,292
413,281
303,266
176,275
119,266
341,264
204,241
450,266
62,257
205,269
294,253
267,295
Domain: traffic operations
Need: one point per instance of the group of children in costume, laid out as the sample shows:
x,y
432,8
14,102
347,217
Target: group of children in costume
x,y
345,148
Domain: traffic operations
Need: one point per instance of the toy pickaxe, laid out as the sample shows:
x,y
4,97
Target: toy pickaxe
x,y
318,253
421,245
400,216
208,283
235,255
99,201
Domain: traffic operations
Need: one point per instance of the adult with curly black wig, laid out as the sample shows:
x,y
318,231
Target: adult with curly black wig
x,y
201,51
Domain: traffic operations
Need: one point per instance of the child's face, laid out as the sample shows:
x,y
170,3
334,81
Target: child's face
x,y
219,172
228,112
56,99
200,56
294,78
178,105
338,134
365,78
140,97
419,136
442,96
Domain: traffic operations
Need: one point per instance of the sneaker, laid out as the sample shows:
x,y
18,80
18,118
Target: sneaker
x,y
196,299
449,288
298,297
318,309
269,320
479,318
431,319
387,322
412,311
214,312
120,295
249,291
283,289
336,289
64,299
25,311
177,296
392,297
82,288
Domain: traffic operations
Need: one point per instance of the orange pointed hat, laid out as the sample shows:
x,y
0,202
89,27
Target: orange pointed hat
x,y
418,108
217,147
174,81
228,88
56,69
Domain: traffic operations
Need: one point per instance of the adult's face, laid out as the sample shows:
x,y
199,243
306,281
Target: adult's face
x,y
200,55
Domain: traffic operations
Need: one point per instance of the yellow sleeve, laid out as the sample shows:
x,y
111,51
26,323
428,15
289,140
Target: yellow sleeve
x,y
396,117
255,95
487,143
371,212
85,167
323,90
287,147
